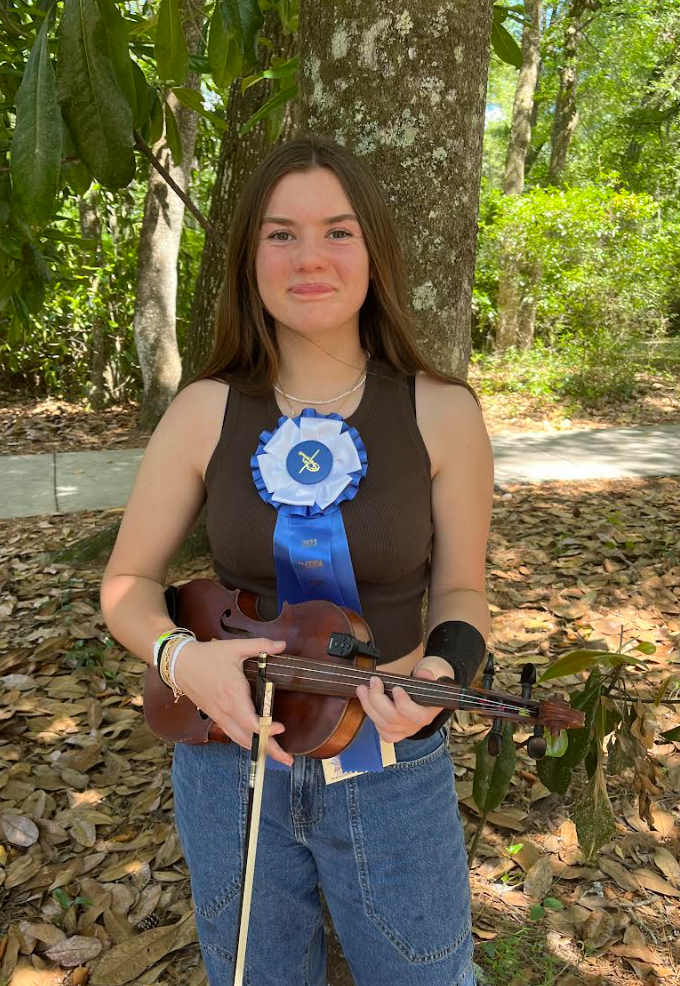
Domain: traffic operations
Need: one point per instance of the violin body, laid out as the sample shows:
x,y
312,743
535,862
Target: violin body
x,y
316,725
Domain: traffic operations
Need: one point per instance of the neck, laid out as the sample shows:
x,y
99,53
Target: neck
x,y
306,370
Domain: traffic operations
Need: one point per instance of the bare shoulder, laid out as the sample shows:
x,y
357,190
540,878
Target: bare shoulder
x,y
201,405
448,415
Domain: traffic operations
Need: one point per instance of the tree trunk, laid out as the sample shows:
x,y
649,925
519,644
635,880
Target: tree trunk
x,y
407,92
238,158
155,299
90,228
509,289
520,131
565,120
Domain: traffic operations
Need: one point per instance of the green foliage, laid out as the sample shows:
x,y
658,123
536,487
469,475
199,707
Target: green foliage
x,y
493,774
521,953
597,260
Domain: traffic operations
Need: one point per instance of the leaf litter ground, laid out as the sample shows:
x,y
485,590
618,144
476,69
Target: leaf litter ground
x,y
92,879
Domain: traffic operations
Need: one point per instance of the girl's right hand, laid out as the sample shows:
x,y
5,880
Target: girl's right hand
x,y
210,673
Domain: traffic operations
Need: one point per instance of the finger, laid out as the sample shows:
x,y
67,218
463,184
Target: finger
x,y
255,645
236,733
410,709
367,706
382,703
277,753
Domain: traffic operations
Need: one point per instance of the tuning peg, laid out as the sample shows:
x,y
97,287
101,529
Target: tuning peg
x,y
494,737
536,744
528,679
487,678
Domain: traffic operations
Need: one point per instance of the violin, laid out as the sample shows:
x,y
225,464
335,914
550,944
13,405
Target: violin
x,y
329,651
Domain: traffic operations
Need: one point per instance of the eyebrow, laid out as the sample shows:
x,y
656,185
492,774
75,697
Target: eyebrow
x,y
280,221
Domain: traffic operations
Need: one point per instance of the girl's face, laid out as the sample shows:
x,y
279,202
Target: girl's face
x,y
308,236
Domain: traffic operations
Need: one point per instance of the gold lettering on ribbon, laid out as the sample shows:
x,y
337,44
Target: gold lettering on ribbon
x,y
314,563
308,462
310,543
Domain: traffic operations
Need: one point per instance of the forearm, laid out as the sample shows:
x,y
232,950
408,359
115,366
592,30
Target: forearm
x,y
459,604
135,613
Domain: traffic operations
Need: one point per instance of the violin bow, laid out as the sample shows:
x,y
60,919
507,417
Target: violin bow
x,y
264,697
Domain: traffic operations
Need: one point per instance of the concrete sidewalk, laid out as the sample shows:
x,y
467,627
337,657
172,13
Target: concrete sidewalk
x,y
65,482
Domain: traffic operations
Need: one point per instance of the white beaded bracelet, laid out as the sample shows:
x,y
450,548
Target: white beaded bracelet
x,y
171,670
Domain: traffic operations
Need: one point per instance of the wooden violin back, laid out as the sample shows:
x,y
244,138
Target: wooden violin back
x,y
316,725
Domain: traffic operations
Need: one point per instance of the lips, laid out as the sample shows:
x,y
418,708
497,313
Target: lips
x,y
311,289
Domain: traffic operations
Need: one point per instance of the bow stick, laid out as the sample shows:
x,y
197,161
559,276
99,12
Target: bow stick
x,y
264,697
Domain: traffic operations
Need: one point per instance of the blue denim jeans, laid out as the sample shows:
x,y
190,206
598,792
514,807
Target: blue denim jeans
x,y
386,848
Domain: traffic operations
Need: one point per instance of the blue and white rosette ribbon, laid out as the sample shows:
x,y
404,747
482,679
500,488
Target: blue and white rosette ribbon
x,y
305,469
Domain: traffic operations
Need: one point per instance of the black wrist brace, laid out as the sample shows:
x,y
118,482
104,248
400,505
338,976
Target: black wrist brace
x,y
462,646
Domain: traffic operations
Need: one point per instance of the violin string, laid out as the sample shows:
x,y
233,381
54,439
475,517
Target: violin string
x,y
360,676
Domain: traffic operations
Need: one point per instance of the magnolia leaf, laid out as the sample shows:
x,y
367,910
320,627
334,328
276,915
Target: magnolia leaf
x,y
96,110
172,54
35,151
538,879
74,951
19,830
281,97
555,772
593,816
132,957
582,658
493,774
224,55
505,45
243,21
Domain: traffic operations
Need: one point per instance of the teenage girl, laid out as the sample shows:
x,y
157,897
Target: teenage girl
x,y
313,314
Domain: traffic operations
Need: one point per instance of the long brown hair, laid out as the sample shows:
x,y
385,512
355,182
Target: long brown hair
x,y
245,351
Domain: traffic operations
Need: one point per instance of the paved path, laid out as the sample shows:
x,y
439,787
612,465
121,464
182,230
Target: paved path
x,y
64,482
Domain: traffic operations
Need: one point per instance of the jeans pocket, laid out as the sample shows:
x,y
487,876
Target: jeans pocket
x,y
210,788
416,752
410,855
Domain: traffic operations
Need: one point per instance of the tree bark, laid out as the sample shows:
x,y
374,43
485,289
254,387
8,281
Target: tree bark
x,y
407,91
238,158
522,111
565,120
90,228
156,291
509,289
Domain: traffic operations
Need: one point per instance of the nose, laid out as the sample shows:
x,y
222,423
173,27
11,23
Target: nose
x,y
309,254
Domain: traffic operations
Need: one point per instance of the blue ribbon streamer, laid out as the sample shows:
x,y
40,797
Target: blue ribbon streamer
x,y
312,561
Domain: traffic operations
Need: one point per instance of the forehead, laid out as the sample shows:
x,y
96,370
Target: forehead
x,y
308,196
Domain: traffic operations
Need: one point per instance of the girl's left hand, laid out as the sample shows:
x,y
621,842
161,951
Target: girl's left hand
x,y
399,717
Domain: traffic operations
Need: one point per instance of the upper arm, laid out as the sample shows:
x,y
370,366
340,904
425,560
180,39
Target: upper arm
x,y
168,492
462,490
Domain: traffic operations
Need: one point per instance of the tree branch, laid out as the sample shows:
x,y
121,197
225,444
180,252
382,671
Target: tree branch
x,y
142,146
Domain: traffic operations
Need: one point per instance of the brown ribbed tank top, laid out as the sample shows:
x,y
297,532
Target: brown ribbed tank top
x,y
388,523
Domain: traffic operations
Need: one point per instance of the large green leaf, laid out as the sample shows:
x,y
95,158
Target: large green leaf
x,y
582,658
243,20
119,52
290,92
192,99
224,55
172,55
96,110
493,774
35,152
505,45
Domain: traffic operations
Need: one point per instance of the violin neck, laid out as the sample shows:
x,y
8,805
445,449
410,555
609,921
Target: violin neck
x,y
323,678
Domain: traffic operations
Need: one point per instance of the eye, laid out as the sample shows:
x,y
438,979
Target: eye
x,y
284,232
